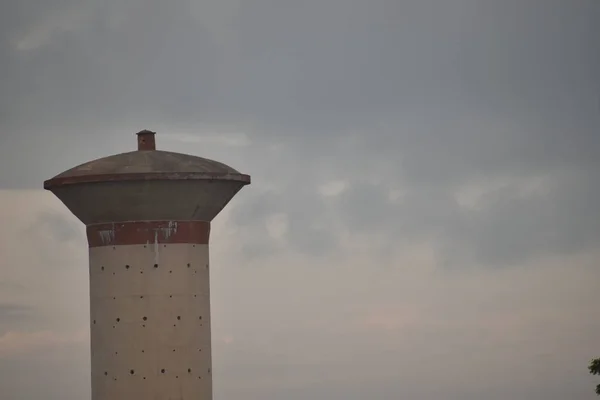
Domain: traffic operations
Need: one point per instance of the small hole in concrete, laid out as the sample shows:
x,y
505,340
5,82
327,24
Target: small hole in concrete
x,y
105,373
165,245
143,326
132,372
170,272
118,319
199,377
176,376
145,318
189,265
162,371
144,378
116,352
171,296
113,273
209,370
141,272
200,317
94,321
141,297
179,317
114,298
174,325
113,327
102,268
127,267
155,265
189,370
173,350
143,351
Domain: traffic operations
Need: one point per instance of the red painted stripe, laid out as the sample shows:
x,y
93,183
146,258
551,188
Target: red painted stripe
x,y
148,232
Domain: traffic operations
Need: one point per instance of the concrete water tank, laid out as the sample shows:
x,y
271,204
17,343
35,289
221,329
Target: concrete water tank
x,y
148,215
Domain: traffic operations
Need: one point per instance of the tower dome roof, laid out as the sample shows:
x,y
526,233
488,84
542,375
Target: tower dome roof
x,y
147,163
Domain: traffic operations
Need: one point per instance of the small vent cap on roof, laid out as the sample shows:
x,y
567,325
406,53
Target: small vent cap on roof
x,y
146,140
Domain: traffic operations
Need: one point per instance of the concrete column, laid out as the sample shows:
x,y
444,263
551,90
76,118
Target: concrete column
x,y
150,310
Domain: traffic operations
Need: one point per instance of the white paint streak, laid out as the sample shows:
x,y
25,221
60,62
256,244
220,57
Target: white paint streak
x,y
169,230
107,236
165,233
156,247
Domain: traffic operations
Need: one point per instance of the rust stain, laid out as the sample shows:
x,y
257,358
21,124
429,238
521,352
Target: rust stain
x,y
148,232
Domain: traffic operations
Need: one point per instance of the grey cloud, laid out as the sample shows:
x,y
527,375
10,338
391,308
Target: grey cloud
x,y
51,229
422,96
298,329
10,286
18,317
508,228
11,312
321,64
560,222
311,240
61,229
308,231
60,374
365,207
383,389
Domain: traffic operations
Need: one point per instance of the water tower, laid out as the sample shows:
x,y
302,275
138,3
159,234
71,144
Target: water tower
x,y
148,215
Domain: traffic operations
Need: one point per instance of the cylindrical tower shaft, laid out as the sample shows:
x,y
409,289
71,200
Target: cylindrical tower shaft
x,y
150,310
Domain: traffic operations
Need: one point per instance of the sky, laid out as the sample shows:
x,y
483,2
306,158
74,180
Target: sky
x,y
423,216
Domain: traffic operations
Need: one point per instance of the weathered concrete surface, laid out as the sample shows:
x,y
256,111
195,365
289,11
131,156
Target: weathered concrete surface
x,y
150,322
178,200
148,219
148,161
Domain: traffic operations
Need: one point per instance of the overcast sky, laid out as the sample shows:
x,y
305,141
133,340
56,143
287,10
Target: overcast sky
x,y
423,219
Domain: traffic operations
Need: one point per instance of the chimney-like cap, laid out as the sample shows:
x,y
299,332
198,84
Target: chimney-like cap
x,y
146,140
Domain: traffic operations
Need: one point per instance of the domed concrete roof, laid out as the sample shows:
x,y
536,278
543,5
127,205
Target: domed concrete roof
x,y
147,163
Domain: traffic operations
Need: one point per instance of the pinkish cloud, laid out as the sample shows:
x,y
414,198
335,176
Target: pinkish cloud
x,y
12,343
